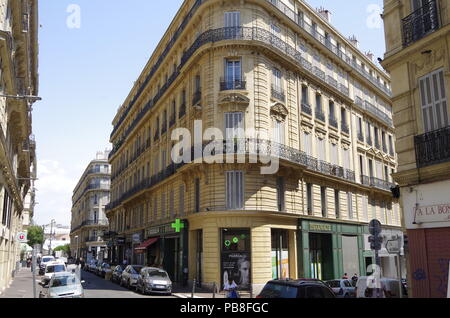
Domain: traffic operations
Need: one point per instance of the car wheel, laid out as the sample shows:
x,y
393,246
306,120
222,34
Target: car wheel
x,y
347,296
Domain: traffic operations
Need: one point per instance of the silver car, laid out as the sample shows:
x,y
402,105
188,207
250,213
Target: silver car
x,y
63,285
342,288
154,280
130,276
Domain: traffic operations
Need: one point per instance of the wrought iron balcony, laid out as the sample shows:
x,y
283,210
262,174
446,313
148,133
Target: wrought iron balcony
x,y
376,183
433,147
306,108
421,23
360,137
196,98
333,122
345,128
278,93
320,115
237,84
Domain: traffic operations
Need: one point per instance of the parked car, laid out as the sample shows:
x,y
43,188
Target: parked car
x,y
44,261
154,280
98,268
117,273
104,268
366,288
130,276
300,288
52,268
92,266
342,288
63,285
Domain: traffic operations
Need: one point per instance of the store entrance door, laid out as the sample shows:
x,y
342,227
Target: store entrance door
x,y
280,254
321,256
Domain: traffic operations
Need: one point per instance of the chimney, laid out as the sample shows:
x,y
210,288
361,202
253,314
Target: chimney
x,y
326,14
354,41
370,56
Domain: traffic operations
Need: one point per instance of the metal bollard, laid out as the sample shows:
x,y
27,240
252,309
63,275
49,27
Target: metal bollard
x,y
251,291
193,287
214,290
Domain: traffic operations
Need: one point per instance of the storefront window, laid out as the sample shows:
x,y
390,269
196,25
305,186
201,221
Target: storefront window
x,y
280,254
236,257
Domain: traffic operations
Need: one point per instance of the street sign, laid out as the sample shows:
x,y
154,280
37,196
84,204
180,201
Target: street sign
x,y
22,237
393,246
375,227
375,242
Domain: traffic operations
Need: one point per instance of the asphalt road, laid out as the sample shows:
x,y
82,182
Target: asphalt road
x,y
97,287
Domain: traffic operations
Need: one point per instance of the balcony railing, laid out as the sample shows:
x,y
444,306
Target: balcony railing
x,y
254,147
360,137
237,84
333,122
306,108
376,183
433,147
278,93
345,128
320,115
420,23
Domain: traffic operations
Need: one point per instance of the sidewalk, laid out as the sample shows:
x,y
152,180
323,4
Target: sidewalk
x,y
22,286
185,292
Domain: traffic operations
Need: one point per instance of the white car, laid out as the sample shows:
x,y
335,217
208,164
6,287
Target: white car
x,y
389,288
63,285
51,269
44,261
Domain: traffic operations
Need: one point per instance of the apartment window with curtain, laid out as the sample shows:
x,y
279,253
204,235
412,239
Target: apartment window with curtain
x,y
307,143
277,80
319,103
232,19
235,190
233,74
305,97
434,101
281,194
377,137
279,131
234,125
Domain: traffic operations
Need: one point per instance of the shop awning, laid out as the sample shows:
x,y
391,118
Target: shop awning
x,y
146,244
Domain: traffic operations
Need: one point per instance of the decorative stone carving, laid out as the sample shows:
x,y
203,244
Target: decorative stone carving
x,y
279,112
428,61
234,98
306,128
321,134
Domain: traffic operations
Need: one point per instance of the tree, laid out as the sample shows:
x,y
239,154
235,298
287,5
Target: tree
x,y
64,248
35,236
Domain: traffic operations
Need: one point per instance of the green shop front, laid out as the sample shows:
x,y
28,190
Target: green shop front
x,y
166,246
328,250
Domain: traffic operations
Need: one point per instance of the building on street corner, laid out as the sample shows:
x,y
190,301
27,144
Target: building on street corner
x,y
18,84
321,112
418,58
89,221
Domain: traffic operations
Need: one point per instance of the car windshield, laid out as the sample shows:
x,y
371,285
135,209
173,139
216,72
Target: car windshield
x,y
272,290
106,266
56,268
47,259
347,283
119,269
136,269
334,283
63,281
158,274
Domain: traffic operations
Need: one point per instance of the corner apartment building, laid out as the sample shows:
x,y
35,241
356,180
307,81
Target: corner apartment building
x,y
18,82
89,221
418,58
318,105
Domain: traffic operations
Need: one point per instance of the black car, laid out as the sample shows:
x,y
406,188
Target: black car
x,y
300,288
117,273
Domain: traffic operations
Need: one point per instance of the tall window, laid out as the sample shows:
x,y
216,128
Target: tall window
x,y
234,125
309,197
337,204
197,82
434,101
235,190
319,103
307,139
233,74
305,98
350,205
279,132
323,198
232,19
281,193
197,194
332,110
277,78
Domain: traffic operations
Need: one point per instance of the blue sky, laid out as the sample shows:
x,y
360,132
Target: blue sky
x,y
87,72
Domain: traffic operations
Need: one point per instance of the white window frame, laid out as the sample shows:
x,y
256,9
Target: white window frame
x,y
233,192
232,19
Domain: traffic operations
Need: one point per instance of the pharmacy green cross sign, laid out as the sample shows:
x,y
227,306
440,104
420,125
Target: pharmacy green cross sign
x,y
178,225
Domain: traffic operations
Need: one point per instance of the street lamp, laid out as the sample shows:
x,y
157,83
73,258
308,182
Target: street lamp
x,y
51,234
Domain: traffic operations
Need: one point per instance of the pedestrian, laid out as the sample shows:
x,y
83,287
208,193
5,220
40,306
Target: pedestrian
x,y
230,287
345,276
82,262
354,279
